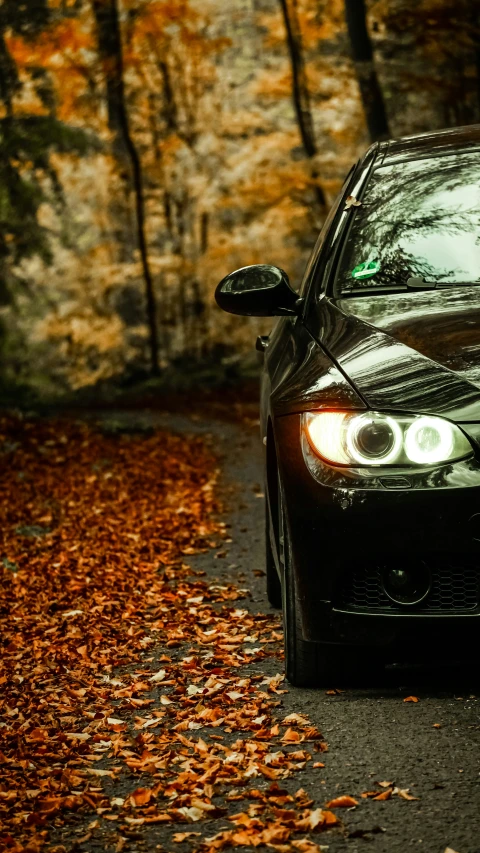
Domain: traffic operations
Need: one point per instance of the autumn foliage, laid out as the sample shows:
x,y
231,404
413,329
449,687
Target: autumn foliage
x,y
121,666
148,147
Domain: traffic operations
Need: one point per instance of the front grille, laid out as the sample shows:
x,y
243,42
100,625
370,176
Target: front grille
x,y
455,588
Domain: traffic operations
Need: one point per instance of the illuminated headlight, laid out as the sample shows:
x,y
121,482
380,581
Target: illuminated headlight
x,y
372,438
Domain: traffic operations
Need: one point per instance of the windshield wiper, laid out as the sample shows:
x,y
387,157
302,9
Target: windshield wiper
x,y
414,283
417,283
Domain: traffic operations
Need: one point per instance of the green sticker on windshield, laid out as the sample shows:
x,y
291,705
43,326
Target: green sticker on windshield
x,y
366,270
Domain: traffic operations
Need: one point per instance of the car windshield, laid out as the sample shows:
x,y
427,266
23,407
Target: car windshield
x,y
418,219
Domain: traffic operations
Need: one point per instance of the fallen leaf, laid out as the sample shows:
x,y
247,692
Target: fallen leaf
x,y
92,771
78,735
295,719
158,676
404,794
291,736
385,795
344,802
128,509
178,837
307,846
192,813
141,796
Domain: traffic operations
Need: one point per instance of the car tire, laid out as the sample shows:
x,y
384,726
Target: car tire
x,y
274,587
308,664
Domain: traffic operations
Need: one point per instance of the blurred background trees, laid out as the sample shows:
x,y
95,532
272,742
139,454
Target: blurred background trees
x,y
150,146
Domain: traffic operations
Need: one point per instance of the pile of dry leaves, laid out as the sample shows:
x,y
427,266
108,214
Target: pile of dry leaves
x,y
122,670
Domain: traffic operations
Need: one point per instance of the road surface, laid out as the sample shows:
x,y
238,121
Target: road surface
x,y
430,747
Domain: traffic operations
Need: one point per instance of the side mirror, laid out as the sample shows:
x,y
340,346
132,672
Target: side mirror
x,y
257,291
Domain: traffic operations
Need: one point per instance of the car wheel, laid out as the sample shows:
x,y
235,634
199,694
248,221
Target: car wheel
x,y
274,587
307,664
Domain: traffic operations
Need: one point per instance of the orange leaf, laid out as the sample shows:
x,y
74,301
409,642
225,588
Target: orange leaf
x,y
291,736
178,837
385,795
275,833
411,699
329,818
141,796
344,802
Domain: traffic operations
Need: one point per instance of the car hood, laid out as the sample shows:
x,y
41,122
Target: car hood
x,y
416,352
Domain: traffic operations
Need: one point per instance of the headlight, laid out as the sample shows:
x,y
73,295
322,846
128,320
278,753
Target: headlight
x,y
372,438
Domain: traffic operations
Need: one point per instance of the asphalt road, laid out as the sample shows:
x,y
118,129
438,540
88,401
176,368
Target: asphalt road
x,y
373,735
430,747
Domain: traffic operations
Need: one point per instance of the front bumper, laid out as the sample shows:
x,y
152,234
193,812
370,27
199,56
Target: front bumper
x,y
344,523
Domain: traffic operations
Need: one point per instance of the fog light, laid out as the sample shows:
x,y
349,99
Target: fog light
x,y
407,585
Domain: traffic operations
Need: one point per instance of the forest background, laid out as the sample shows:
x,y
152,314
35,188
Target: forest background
x,y
148,147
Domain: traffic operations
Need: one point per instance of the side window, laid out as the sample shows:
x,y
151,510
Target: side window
x,y
322,239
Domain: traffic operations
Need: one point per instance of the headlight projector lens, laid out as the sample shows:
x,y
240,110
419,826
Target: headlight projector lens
x,y
374,439
407,584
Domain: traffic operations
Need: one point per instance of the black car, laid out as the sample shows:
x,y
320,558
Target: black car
x,y
370,415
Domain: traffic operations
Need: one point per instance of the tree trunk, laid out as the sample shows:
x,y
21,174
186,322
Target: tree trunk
x,y
362,54
474,25
301,95
111,54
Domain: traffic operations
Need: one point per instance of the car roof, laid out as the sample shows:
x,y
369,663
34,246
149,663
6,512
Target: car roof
x,y
432,144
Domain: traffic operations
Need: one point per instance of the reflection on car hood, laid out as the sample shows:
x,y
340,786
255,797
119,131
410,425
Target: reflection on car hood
x,y
443,325
410,351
